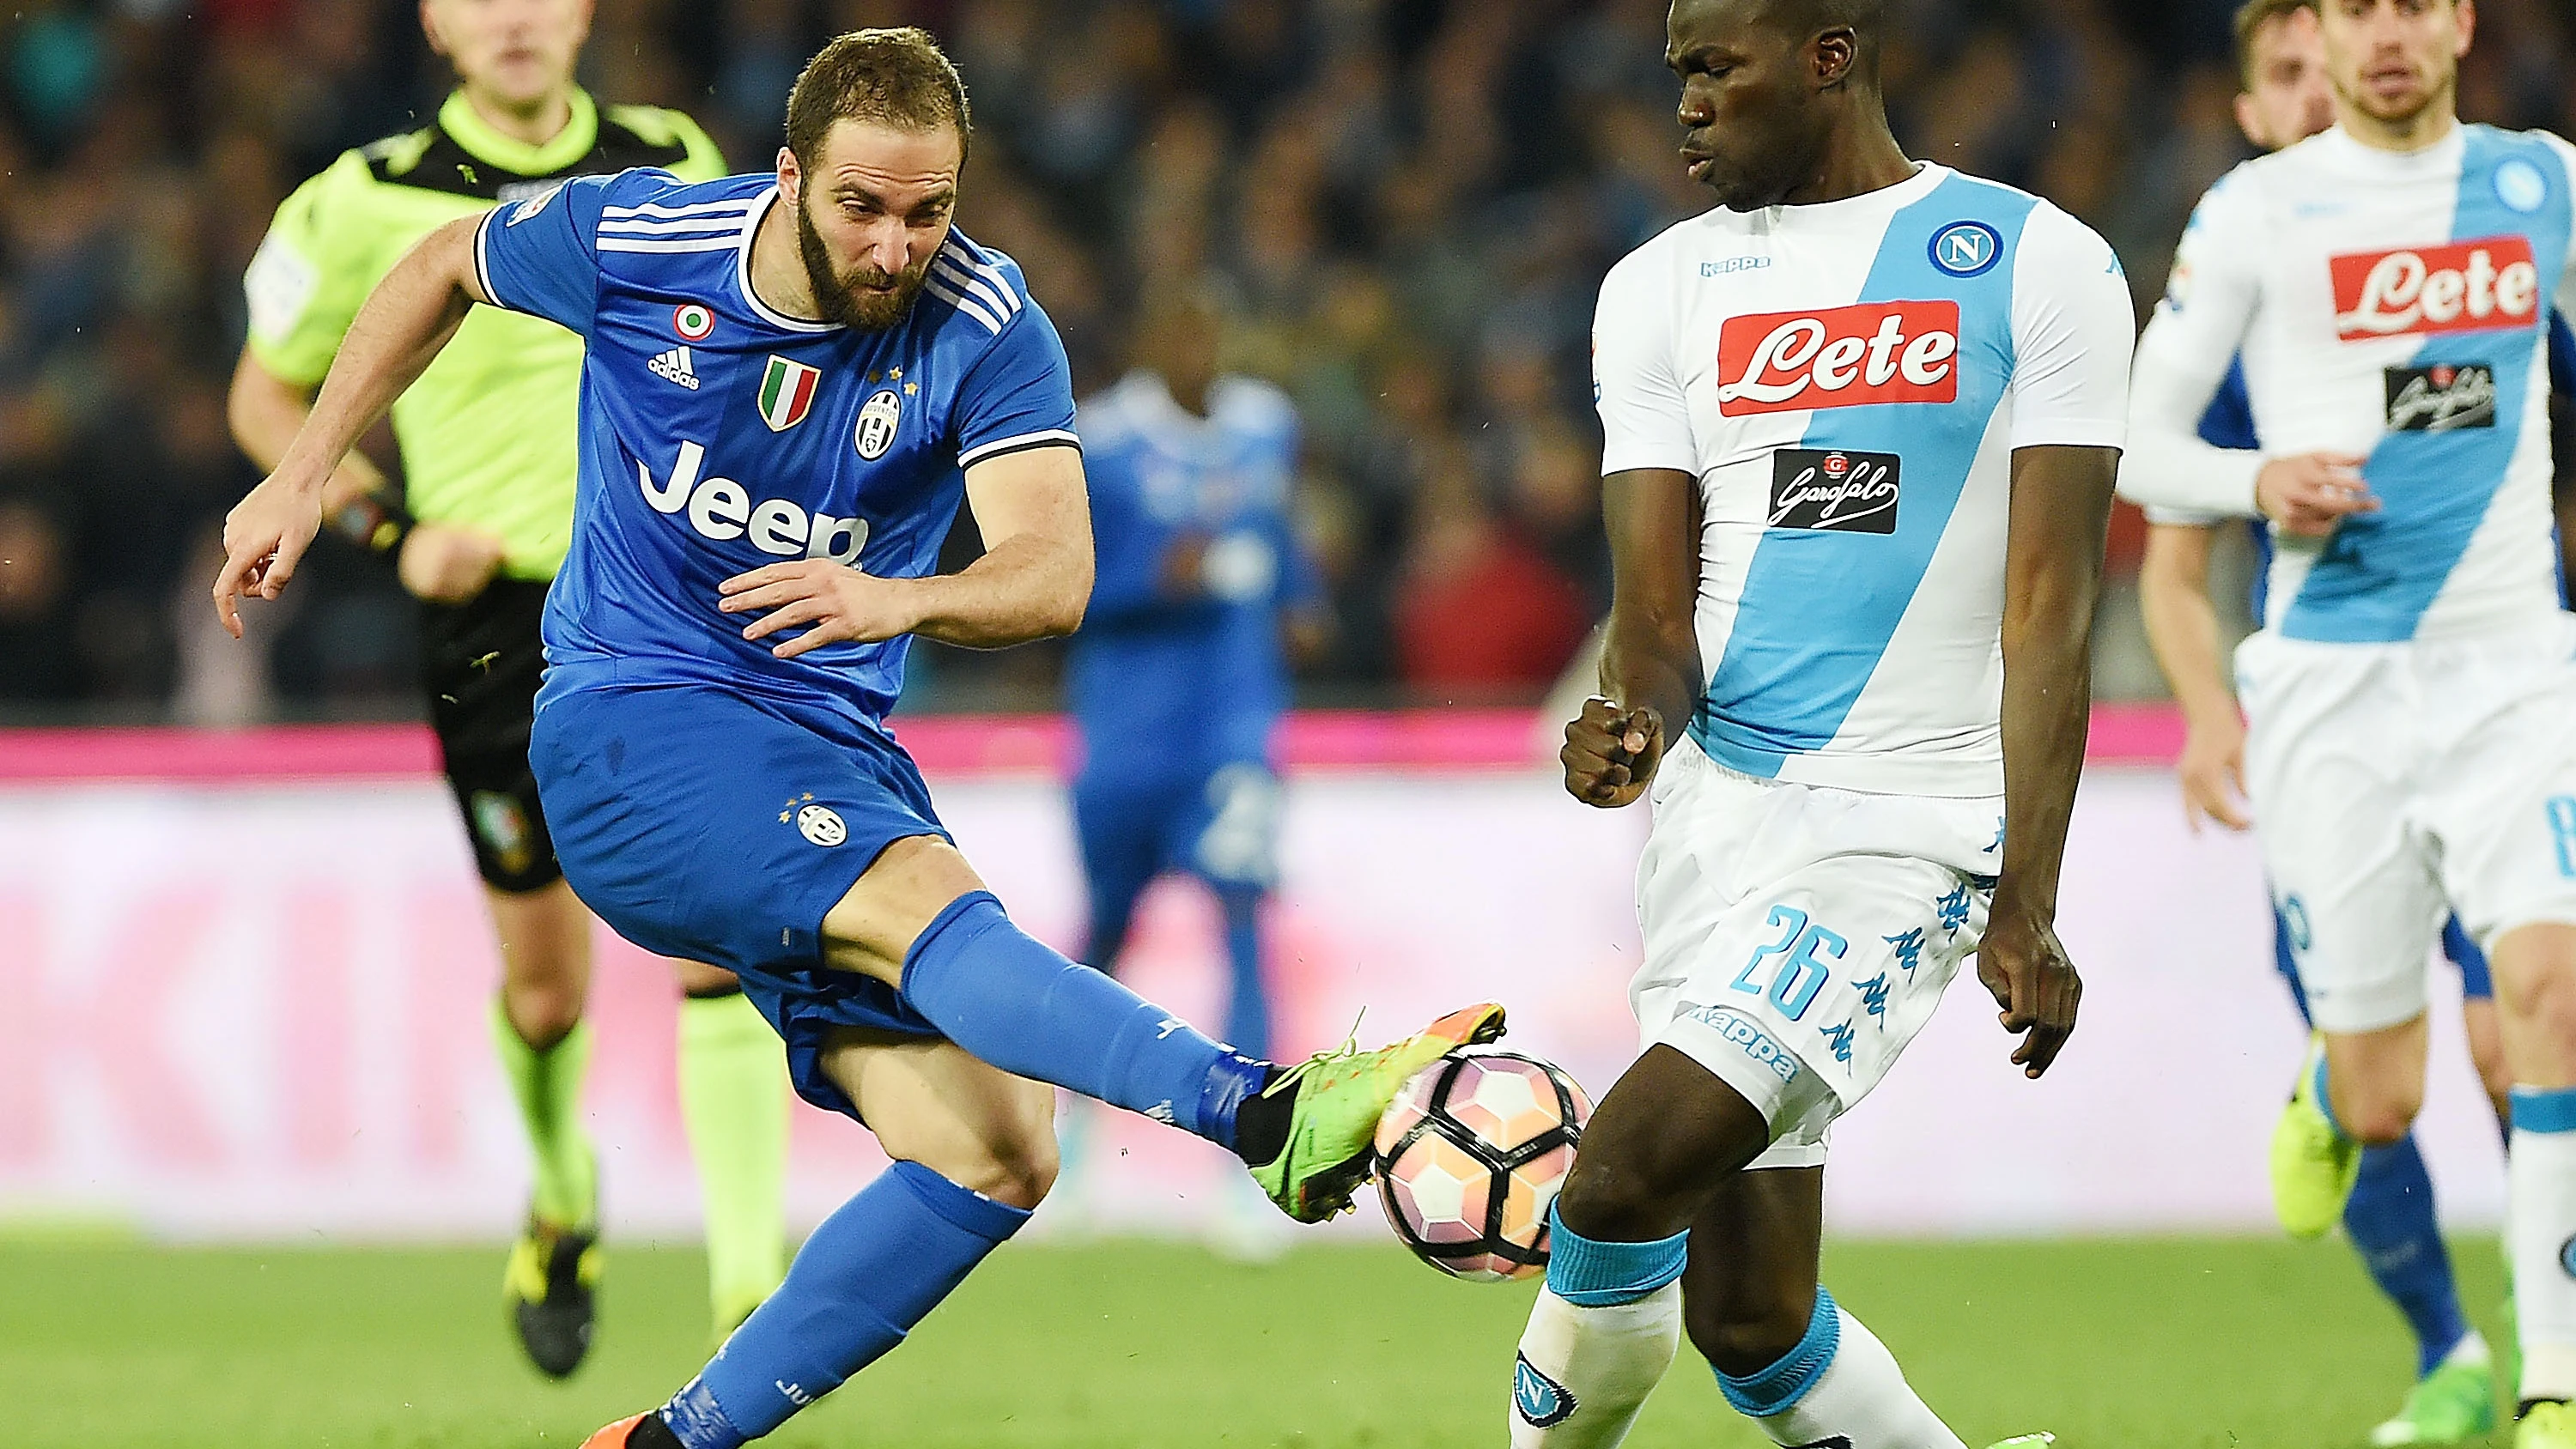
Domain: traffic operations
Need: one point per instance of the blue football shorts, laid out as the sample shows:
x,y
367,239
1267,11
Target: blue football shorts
x,y
711,825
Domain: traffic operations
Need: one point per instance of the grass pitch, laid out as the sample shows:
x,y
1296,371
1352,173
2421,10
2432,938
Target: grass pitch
x,y
2159,1344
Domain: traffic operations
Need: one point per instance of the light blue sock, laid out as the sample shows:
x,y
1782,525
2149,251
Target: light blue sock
x,y
2325,1099
1590,1273
1247,1017
870,1272
1012,1001
2391,1221
1776,1390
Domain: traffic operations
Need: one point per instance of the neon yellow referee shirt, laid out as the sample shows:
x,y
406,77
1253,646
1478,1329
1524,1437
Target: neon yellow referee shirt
x,y
488,433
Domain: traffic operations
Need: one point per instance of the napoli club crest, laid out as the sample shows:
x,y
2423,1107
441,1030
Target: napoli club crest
x,y
877,423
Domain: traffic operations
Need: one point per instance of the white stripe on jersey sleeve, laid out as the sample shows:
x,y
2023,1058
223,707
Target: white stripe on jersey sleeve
x,y
738,206
729,224
1645,418
724,243
999,299
968,270
482,264
968,305
1015,443
2072,329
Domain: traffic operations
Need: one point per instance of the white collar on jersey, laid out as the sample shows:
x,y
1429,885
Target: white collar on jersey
x,y
2348,152
742,273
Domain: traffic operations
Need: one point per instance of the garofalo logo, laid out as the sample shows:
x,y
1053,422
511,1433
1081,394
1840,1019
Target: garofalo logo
x,y
2439,398
1834,490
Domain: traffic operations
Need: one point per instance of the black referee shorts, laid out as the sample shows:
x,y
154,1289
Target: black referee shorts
x,y
480,665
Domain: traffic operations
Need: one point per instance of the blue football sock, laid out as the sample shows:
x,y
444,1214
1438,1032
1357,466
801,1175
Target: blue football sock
x,y
1012,1001
1591,1273
1247,1018
869,1273
2391,1219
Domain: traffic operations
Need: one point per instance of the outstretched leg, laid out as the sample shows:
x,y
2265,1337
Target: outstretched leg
x,y
973,1154
921,921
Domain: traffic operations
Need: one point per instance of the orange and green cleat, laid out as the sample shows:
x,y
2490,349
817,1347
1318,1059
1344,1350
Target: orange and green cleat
x,y
1340,1094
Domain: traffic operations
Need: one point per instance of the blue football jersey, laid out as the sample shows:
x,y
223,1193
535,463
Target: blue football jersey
x,y
718,435
1201,676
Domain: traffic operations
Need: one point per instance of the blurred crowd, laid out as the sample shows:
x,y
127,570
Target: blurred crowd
x,y
1409,204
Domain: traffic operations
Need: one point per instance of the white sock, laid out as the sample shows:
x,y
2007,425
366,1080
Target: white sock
x,y
1839,1386
2540,1177
1585,1372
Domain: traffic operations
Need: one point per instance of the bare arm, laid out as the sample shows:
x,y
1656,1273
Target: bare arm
x,y
1650,664
1032,582
2060,510
2182,629
404,323
266,411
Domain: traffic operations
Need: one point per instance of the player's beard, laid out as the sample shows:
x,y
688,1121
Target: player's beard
x,y
850,298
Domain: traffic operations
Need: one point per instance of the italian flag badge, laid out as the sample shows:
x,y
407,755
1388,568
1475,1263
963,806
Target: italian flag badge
x,y
786,393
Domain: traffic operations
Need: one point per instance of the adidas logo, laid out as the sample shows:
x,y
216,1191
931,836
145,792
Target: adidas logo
x,y
673,366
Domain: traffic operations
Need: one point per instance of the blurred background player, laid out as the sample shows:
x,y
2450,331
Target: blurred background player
x,y
2388,285
2390,1218
477,527
1180,672
1829,520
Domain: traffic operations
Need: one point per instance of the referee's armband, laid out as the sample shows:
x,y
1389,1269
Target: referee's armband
x,y
374,521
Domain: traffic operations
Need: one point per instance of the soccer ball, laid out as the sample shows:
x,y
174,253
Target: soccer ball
x,y
1471,1154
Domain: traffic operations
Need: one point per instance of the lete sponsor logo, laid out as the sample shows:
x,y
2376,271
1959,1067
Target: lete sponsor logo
x,y
1877,352
2467,286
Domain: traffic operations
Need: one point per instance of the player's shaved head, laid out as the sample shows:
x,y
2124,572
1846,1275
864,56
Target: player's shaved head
x,y
1774,90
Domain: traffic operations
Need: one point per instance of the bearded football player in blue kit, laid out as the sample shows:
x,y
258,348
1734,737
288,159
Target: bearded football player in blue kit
x,y
789,380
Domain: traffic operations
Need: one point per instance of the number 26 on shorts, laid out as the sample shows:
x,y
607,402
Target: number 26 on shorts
x,y
1801,974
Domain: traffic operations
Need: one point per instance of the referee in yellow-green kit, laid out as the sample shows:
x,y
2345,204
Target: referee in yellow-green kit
x,y
478,528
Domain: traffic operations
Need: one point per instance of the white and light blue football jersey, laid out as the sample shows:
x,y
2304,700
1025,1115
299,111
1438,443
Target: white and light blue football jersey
x,y
719,435
2395,306
1847,381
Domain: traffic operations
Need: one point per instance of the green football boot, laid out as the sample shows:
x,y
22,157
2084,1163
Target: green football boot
x,y
1340,1094
2451,1405
2313,1165
2547,1426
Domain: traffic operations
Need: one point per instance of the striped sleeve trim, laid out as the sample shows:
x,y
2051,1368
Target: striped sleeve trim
x,y
724,243
937,285
738,206
1019,443
483,263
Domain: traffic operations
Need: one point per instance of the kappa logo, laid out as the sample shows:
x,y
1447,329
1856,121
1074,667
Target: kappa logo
x,y
877,423
1966,248
1741,1032
673,366
2467,286
1538,1399
1876,352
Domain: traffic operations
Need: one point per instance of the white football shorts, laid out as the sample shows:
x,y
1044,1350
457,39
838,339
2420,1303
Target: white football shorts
x,y
1797,937
2393,783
